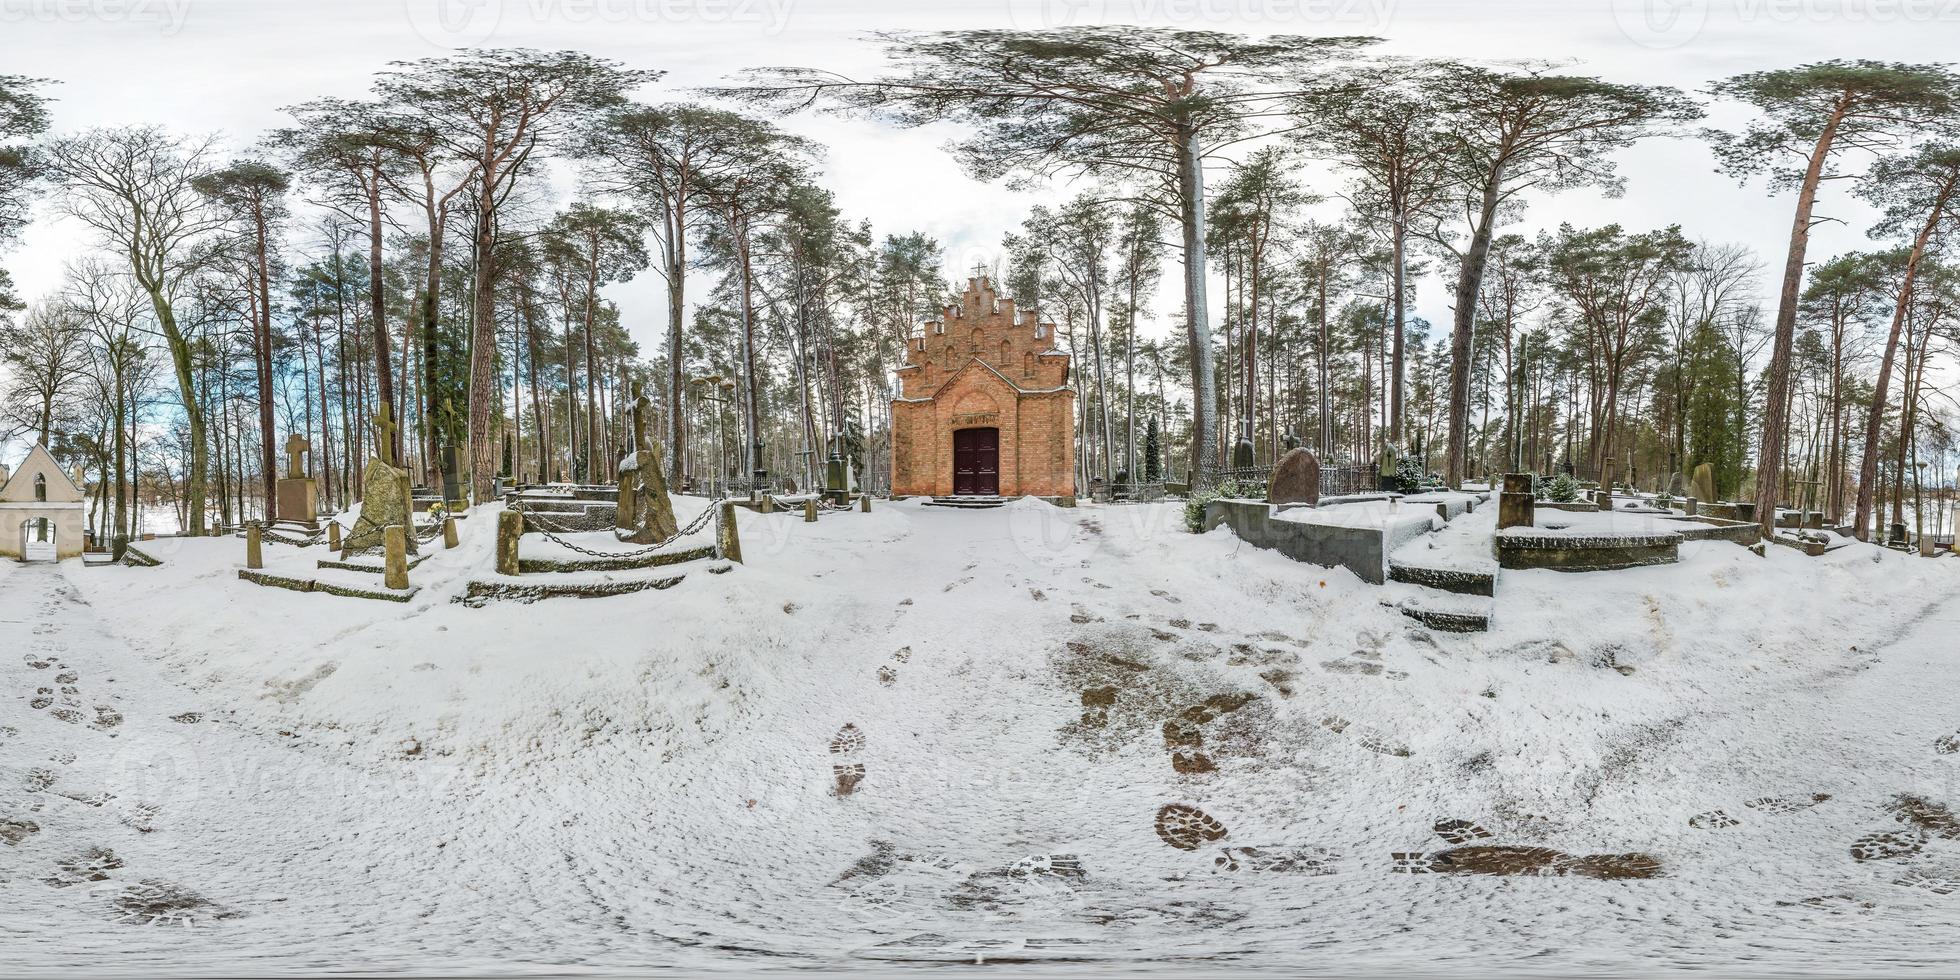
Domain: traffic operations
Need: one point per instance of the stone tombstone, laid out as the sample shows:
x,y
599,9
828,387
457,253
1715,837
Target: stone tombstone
x,y
1296,480
1704,483
645,512
837,475
1516,507
295,498
386,500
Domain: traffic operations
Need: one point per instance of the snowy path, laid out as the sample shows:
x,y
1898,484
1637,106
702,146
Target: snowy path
x,y
1021,734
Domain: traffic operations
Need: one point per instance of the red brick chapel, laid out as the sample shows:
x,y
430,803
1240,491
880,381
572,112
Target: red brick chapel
x,y
984,405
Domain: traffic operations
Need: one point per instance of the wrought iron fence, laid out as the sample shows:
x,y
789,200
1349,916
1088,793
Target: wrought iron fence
x,y
1336,479
1125,492
1342,479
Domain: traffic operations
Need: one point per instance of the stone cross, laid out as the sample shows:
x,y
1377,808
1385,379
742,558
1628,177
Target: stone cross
x,y
295,445
384,437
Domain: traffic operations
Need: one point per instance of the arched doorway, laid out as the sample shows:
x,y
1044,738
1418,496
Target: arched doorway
x,y
38,539
976,462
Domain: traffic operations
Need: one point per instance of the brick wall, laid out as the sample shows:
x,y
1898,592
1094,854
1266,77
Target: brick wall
x,y
985,364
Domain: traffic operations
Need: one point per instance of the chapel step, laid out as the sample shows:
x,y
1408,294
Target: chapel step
x,y
1457,580
967,502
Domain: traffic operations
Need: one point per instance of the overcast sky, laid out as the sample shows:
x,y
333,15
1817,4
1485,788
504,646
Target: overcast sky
x,y
229,65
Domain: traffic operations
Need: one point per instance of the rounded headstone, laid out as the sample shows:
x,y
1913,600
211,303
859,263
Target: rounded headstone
x,y
1296,480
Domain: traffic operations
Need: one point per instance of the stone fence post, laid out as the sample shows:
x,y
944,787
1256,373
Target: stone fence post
x,y
510,527
394,544
254,551
727,540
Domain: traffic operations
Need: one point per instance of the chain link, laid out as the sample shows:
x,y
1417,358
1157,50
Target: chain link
x,y
699,522
266,533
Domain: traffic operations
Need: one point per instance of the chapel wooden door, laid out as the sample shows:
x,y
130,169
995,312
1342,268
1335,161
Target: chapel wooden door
x,y
976,462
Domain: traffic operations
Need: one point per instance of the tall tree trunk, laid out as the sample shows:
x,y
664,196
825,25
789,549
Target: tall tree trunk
x,y
1470,277
483,347
1191,212
378,301
1874,418
595,457
1398,288
1776,408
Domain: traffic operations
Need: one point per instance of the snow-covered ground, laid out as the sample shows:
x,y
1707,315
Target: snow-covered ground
x,y
1030,734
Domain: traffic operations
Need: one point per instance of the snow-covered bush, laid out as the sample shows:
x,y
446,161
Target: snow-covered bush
x,y
1194,505
1408,474
1563,489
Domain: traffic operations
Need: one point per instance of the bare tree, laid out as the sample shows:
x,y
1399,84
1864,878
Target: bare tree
x,y
135,187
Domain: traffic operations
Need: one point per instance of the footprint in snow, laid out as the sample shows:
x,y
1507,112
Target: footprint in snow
x,y
1048,866
888,675
1786,804
848,776
1507,860
1187,828
1460,831
1887,846
1277,860
1944,882
1372,739
1713,820
848,741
